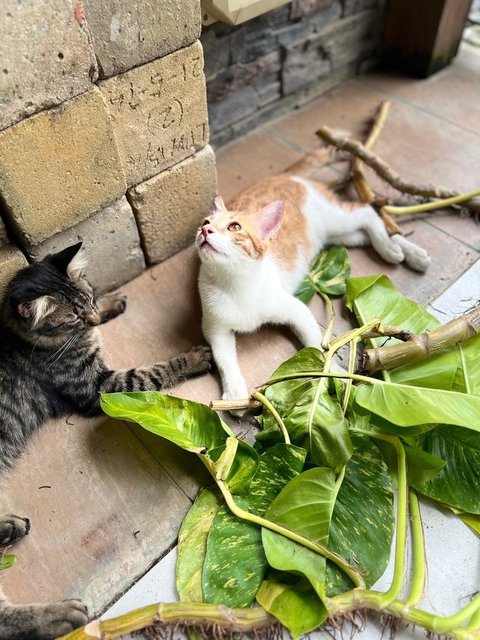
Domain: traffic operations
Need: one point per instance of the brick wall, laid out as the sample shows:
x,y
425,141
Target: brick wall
x,y
284,58
103,129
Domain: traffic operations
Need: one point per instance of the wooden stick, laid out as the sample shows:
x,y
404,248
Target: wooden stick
x,y
423,345
232,405
386,172
360,183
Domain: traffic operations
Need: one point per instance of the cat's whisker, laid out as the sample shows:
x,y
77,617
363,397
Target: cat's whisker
x,y
63,350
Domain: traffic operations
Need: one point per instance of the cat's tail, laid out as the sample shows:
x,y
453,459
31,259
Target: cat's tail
x,y
313,160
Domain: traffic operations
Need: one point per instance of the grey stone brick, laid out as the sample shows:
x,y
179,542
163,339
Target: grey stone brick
x,y
127,34
159,112
46,56
169,206
58,166
111,245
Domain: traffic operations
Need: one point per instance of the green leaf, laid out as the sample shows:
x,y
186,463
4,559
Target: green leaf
x,y
314,420
421,465
235,562
472,521
405,405
190,425
297,607
361,528
304,361
304,506
192,545
457,483
327,274
235,463
7,561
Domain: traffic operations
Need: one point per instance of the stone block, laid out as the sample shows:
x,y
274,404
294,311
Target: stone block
x,y
302,8
128,34
59,166
46,56
169,207
159,112
111,245
11,261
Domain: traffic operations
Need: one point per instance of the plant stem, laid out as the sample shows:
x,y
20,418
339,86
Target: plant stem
x,y
419,560
352,358
321,374
269,406
401,526
431,206
331,322
184,613
306,542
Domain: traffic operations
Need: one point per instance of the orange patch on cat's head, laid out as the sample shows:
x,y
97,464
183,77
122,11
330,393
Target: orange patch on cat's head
x,y
245,232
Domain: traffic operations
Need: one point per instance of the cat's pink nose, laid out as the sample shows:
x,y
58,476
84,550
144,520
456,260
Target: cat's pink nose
x,y
206,230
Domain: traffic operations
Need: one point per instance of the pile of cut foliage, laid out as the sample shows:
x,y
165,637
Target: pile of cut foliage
x,y
297,528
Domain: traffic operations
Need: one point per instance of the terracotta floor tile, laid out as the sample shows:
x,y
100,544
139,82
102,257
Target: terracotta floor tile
x,y
243,162
452,94
102,512
419,146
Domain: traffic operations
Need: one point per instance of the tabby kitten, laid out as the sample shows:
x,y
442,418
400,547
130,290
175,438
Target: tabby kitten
x,y
51,366
255,253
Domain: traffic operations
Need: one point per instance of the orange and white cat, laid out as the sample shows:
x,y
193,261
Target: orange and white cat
x,y
255,253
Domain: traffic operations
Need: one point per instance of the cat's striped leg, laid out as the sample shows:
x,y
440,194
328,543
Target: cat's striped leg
x,y
34,621
40,621
12,528
158,376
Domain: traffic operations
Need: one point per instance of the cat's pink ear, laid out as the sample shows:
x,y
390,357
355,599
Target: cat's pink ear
x,y
217,205
271,218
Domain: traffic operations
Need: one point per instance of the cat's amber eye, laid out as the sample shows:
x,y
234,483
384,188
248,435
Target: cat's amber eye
x,y
234,226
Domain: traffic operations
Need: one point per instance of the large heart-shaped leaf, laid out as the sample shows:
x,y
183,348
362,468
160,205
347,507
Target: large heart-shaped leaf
x,y
421,465
457,484
192,545
304,506
327,274
314,420
235,562
361,527
304,361
296,606
190,425
405,405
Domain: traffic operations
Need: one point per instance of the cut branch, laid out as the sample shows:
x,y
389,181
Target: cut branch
x,y
172,615
363,189
384,170
423,345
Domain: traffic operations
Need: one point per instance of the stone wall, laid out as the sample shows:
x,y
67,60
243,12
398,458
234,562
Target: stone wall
x,y
284,58
103,129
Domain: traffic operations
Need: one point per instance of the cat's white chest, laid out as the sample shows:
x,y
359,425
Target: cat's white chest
x,y
241,303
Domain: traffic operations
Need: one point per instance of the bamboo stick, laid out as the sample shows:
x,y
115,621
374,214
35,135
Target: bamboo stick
x,y
423,345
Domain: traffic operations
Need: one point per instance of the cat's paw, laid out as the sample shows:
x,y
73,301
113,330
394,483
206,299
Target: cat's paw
x,y
391,252
12,528
415,257
199,360
55,620
112,305
237,392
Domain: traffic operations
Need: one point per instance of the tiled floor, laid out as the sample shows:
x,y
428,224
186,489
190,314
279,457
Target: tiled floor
x,y
105,498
